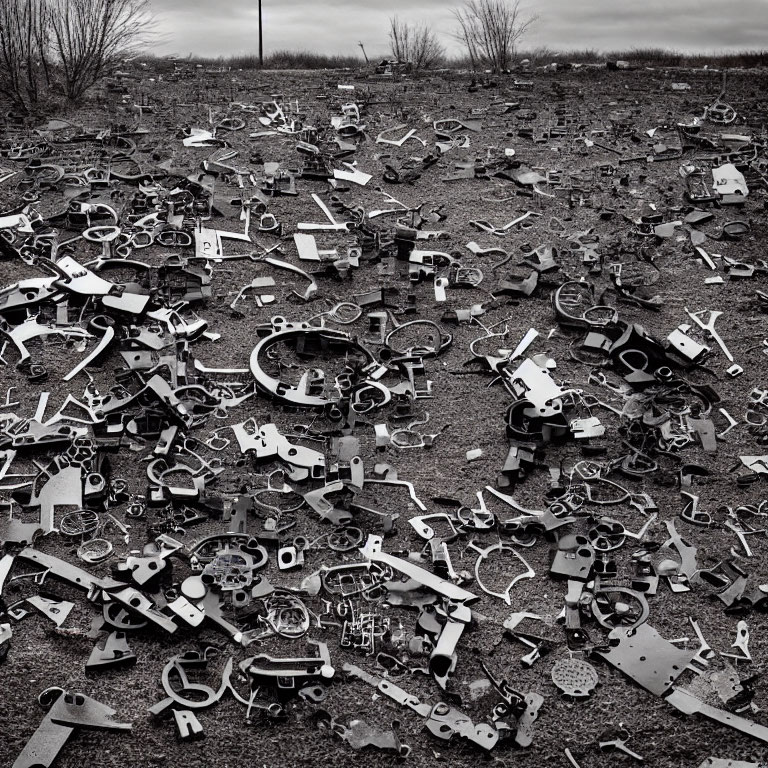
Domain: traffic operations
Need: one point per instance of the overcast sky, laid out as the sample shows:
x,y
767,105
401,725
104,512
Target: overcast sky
x,y
224,27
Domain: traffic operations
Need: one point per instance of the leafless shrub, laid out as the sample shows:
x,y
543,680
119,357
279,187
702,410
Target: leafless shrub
x,y
417,45
90,37
490,31
24,66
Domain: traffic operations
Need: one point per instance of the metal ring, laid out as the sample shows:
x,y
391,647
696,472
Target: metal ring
x,y
445,340
279,389
95,550
81,522
334,312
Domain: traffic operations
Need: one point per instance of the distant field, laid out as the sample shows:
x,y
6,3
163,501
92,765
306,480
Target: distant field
x,y
657,57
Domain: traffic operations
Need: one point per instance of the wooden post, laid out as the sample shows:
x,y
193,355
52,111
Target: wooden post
x,y
261,40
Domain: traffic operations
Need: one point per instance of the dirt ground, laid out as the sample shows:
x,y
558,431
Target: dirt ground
x,y
600,186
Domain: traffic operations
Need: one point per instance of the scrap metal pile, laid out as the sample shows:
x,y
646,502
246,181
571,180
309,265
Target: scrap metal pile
x,y
288,518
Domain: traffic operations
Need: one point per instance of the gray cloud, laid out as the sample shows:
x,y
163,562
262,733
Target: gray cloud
x,y
212,28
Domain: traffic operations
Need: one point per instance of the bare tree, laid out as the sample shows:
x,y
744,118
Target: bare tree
x,y
490,31
91,37
24,42
417,45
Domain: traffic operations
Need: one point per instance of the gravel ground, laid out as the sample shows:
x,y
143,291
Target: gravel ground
x,y
467,410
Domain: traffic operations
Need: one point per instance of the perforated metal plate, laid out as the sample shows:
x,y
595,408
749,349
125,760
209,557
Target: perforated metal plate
x,y
575,677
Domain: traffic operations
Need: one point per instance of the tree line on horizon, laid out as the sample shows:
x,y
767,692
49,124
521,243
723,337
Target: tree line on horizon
x,y
67,46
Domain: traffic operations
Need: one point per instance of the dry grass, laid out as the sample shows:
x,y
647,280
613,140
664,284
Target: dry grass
x,y
277,60
653,57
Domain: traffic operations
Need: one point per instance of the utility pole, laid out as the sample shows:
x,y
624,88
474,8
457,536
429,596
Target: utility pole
x,y
364,53
261,40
